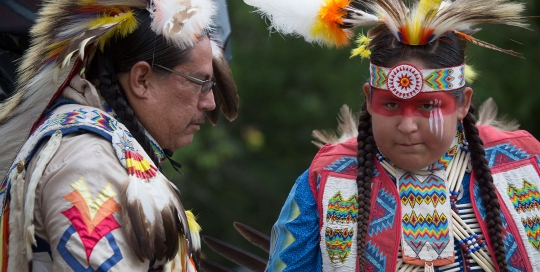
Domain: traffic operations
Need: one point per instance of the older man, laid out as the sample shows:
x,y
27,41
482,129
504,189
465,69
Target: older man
x,y
107,91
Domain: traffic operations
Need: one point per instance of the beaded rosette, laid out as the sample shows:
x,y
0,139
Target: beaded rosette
x,y
406,80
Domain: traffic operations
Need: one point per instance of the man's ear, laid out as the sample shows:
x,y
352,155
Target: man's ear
x,y
367,93
464,108
138,80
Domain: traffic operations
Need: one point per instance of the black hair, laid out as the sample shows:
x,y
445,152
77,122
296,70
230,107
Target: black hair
x,y
119,56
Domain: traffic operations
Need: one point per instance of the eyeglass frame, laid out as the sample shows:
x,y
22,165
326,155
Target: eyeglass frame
x,y
190,78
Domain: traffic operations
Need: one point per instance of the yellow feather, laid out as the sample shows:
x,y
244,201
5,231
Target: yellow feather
x,y
427,8
425,11
470,73
361,50
126,25
192,223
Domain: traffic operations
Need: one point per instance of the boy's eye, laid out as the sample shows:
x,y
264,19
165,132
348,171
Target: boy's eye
x,y
391,106
428,107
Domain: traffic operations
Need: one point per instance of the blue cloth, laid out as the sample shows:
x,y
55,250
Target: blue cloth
x,y
295,236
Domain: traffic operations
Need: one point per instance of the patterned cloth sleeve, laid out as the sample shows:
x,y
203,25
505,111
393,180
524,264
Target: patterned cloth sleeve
x,y
78,222
295,235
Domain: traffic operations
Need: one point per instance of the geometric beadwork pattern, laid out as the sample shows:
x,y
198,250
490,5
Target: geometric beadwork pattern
x,y
104,121
68,118
339,203
504,153
376,261
431,228
378,76
443,162
412,191
532,229
440,79
338,243
342,211
344,164
382,216
525,199
138,166
339,240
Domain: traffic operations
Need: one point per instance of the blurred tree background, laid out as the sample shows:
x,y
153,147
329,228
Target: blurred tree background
x,y
243,171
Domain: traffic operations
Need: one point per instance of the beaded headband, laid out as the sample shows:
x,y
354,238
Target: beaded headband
x,y
406,80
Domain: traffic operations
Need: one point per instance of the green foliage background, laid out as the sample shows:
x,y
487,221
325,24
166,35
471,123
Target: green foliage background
x,y
243,171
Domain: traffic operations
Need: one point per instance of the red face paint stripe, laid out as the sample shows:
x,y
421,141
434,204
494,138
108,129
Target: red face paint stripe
x,y
385,103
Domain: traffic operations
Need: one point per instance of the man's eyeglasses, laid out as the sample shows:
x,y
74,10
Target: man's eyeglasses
x,y
206,85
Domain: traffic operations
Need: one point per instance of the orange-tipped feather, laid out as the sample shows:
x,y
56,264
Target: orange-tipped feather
x,y
330,19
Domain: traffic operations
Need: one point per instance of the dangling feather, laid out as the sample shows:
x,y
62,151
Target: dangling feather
x,y
153,215
253,236
347,128
488,45
225,94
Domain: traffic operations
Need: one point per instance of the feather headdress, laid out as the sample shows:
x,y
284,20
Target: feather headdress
x,y
329,21
64,38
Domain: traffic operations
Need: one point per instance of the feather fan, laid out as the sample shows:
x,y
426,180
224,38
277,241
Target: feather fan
x,y
235,254
253,236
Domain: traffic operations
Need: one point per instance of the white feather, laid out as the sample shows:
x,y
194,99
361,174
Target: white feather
x,y
139,190
361,18
290,17
163,23
462,15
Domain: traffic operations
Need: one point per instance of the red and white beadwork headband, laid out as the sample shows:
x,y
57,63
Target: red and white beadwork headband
x,y
406,80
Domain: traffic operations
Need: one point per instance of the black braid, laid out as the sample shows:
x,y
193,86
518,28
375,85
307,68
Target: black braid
x,y
114,94
487,188
366,156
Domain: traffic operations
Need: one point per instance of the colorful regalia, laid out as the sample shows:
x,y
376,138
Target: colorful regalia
x,y
429,219
78,192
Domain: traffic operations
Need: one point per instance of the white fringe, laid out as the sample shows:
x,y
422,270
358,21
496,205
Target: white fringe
x,y
16,260
43,159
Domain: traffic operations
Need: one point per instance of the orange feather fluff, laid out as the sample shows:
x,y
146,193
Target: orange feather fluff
x,y
330,19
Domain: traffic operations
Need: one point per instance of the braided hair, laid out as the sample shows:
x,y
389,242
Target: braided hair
x,y
119,57
447,51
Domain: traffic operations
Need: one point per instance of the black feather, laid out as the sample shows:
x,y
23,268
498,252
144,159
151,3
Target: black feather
x,y
253,236
236,255
210,266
